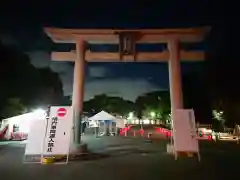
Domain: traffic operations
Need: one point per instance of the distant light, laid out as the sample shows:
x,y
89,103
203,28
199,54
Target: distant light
x,y
130,115
152,114
39,112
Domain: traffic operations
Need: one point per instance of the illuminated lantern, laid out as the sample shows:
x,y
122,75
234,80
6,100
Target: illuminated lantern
x,y
209,137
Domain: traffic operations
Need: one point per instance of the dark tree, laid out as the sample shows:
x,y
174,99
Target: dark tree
x,y
49,88
196,95
13,107
21,80
157,101
223,71
110,104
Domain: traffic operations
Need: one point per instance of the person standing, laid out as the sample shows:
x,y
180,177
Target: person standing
x,y
84,125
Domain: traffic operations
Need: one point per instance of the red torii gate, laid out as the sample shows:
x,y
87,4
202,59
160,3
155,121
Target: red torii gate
x,y
127,40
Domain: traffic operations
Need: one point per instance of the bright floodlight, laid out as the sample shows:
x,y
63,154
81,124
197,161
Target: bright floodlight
x,y
130,115
39,112
152,114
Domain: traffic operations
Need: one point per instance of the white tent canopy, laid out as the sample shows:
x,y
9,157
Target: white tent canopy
x,y
101,116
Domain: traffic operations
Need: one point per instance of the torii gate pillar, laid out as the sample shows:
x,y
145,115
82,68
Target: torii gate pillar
x,y
78,90
175,78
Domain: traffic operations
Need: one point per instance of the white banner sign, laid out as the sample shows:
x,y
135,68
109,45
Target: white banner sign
x,y
58,134
34,145
184,131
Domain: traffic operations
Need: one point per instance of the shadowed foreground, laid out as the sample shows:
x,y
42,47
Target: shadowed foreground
x,y
127,159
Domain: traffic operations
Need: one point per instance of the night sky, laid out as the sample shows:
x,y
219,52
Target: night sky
x,y
22,23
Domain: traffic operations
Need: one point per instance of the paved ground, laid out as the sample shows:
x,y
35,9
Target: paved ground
x,y
129,159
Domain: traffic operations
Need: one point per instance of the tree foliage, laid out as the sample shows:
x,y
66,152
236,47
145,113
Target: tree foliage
x,y
13,107
32,87
110,104
157,102
222,65
196,96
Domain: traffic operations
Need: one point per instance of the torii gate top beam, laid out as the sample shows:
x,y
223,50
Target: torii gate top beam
x,y
111,36
126,39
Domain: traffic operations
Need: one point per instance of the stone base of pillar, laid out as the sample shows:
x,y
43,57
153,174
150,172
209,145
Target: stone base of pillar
x,y
77,149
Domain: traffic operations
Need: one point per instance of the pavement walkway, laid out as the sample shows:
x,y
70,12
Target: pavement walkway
x,y
128,159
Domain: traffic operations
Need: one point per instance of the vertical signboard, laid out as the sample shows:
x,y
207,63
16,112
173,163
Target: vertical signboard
x,y
185,132
58,133
34,145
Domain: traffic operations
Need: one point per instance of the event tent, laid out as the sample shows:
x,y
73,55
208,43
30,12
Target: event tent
x,y
102,116
21,123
